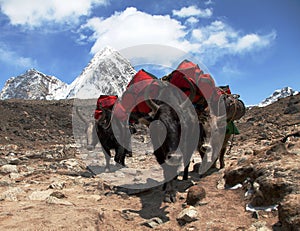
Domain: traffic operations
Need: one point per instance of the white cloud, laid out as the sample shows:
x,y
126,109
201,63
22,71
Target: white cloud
x,y
193,11
132,27
192,20
220,39
34,13
253,41
209,2
13,59
231,70
247,41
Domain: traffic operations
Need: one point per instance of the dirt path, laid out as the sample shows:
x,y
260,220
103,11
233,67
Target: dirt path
x,y
86,204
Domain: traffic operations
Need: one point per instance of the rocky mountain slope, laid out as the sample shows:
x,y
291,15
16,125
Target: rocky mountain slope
x,y
33,85
45,185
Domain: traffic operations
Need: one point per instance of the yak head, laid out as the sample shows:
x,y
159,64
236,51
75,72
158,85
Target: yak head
x,y
169,120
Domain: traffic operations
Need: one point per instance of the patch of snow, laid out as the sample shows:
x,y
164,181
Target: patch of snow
x,y
278,94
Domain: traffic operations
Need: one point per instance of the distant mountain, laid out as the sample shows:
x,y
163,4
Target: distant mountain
x,y
33,85
278,94
107,73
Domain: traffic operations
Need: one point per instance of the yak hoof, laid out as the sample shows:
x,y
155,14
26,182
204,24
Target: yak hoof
x,y
119,165
185,177
222,165
90,147
170,197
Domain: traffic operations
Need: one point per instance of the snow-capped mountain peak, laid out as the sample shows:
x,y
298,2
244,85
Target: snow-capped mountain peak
x,y
107,73
33,85
278,94
105,52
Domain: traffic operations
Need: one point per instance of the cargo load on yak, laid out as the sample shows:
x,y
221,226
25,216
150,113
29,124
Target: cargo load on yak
x,y
205,89
108,102
133,99
104,101
204,83
235,108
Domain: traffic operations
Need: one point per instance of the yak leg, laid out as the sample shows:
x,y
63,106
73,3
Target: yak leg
x,y
222,153
120,155
170,192
128,153
202,151
107,156
186,172
223,150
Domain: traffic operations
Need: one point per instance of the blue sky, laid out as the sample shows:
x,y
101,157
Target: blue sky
x,y
252,45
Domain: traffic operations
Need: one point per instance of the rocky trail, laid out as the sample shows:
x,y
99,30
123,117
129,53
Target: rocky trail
x,y
46,184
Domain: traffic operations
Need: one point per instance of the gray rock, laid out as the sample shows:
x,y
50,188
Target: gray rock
x,y
58,195
127,215
40,195
3,161
5,183
119,174
197,160
129,171
221,184
153,222
187,215
14,175
9,168
259,226
14,160
73,164
248,152
56,201
123,195
57,185
11,194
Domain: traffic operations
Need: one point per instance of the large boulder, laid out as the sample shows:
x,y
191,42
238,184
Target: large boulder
x,y
273,174
195,194
289,212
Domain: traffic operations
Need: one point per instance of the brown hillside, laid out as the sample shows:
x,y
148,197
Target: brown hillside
x,y
44,183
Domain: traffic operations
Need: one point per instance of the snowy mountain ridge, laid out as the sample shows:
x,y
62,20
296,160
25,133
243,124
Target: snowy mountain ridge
x,y
107,73
277,94
33,85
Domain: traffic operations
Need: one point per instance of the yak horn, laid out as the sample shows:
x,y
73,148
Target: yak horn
x,y
103,113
